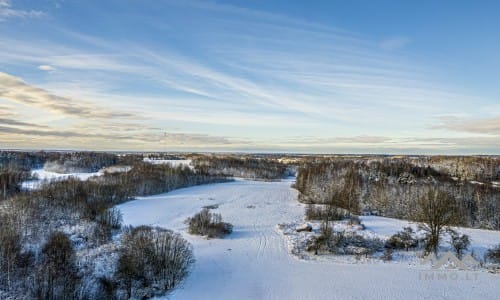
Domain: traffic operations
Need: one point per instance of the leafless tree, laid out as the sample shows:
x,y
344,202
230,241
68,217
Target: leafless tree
x,y
436,210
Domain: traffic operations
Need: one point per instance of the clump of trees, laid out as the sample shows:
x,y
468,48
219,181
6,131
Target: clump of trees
x,y
151,262
323,212
208,224
57,274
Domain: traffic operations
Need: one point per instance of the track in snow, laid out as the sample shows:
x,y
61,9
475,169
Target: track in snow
x,y
253,262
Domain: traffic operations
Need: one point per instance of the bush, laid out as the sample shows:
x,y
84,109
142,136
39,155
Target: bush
x,y
459,243
324,240
402,240
208,224
152,261
359,245
343,243
387,256
493,255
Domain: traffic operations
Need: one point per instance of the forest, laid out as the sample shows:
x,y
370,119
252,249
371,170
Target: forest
x,y
245,166
391,186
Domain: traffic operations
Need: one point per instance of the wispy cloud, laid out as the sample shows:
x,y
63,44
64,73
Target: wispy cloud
x,y
16,90
7,11
14,122
489,126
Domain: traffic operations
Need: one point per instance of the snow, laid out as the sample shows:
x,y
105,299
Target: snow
x,y
476,182
254,262
46,176
171,162
115,169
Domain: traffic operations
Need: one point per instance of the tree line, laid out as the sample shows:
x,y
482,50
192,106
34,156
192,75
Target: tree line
x,y
241,166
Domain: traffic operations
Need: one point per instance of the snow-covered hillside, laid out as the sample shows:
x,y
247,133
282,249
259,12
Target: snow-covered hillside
x,y
254,261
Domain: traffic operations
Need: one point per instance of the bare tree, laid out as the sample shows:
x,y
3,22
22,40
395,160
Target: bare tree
x,y
437,210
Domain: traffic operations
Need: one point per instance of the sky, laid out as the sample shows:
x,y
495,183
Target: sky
x,y
393,77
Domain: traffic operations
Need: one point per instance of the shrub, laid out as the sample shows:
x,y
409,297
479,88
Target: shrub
x,y
208,224
343,243
459,243
359,245
493,255
152,261
402,240
387,256
324,240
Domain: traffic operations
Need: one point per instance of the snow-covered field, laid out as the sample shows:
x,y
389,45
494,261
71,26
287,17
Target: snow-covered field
x,y
171,162
46,176
254,261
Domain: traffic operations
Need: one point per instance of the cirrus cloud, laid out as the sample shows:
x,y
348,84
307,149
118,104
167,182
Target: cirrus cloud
x,y
16,90
7,12
489,126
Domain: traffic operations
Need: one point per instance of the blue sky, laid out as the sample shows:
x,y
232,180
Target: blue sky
x,y
270,76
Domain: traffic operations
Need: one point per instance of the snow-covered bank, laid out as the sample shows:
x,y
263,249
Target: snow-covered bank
x,y
254,262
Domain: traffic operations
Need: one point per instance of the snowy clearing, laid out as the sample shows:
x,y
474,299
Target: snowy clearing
x,y
254,261
46,176
171,162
